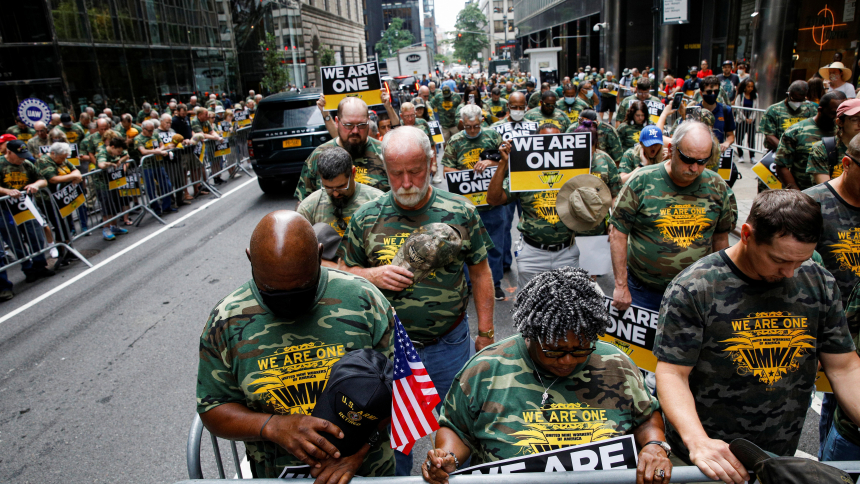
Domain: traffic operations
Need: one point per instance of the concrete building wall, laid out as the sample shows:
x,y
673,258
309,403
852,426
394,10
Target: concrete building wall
x,y
322,29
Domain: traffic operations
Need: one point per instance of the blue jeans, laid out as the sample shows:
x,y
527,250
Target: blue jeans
x,y
443,361
15,237
641,295
158,174
837,447
508,255
497,223
825,423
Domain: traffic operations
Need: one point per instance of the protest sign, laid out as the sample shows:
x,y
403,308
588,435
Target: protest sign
x,y
68,198
725,168
73,154
116,178
765,170
355,80
545,162
655,109
471,184
616,453
20,209
435,131
633,332
296,472
522,128
241,118
222,148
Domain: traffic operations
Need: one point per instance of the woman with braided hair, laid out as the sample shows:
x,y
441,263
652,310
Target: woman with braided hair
x,y
553,385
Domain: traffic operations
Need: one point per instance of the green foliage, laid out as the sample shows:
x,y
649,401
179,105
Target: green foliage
x,y
466,44
393,39
276,73
442,58
326,57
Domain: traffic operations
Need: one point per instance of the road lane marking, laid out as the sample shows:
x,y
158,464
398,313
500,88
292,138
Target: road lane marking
x,y
120,254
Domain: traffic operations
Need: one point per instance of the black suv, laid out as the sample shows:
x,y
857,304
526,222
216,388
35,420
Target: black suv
x,y
287,127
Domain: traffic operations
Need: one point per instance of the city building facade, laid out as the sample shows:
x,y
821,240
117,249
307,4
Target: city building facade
x,y
500,28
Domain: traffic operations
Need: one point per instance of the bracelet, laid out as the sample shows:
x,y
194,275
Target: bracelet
x,y
264,426
456,461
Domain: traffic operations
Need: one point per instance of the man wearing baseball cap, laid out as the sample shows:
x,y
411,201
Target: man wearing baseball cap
x,y
825,158
19,177
73,133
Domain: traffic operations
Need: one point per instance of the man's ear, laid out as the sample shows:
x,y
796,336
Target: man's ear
x,y
248,254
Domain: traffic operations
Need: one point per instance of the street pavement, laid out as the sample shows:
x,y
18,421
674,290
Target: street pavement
x,y
98,366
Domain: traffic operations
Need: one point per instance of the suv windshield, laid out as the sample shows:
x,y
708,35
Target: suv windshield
x,y
292,114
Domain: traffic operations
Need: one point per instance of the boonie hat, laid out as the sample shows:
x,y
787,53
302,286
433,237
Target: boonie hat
x,y
625,72
772,469
849,107
19,148
65,120
329,238
846,72
702,115
583,202
356,398
428,248
219,109
651,135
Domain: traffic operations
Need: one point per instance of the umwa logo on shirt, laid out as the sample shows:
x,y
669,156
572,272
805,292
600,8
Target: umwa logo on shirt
x,y
545,206
683,224
562,425
769,345
847,250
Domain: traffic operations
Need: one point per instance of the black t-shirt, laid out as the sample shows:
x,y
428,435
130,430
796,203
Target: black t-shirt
x,y
692,84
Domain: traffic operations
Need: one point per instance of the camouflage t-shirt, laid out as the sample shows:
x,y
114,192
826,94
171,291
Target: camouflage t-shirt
x,y
148,143
539,220
49,168
446,109
621,113
670,227
204,127
272,365
819,162
461,153
534,99
99,181
73,134
629,133
494,404
38,146
423,126
369,169
839,244
631,159
16,177
844,425
607,140
317,207
497,110
378,229
572,110
779,117
794,148
558,118
119,128
22,135
752,345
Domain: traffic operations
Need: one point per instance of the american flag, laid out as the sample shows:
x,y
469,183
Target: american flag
x,y
414,396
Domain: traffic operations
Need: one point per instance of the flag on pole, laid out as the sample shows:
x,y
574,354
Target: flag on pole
x,y
414,396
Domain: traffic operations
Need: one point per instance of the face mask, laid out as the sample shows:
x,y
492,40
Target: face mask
x,y
740,72
293,303
466,134
794,105
589,94
835,77
517,114
569,100
709,98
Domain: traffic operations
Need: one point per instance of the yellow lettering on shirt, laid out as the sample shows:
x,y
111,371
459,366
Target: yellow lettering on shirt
x,y
683,224
789,122
447,105
769,345
847,250
16,180
471,157
544,205
562,425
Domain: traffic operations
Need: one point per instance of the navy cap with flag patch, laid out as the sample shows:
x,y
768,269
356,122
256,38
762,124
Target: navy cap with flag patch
x,y
19,148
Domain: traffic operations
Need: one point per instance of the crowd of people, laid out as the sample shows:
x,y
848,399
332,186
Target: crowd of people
x,y
61,152
741,329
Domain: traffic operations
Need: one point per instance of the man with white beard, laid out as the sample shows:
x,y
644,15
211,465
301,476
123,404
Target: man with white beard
x,y
433,308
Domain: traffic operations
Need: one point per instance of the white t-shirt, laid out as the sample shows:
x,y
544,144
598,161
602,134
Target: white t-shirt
x,y
847,89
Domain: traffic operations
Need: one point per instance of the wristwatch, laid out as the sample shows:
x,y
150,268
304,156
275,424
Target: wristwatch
x,y
487,334
664,445
327,118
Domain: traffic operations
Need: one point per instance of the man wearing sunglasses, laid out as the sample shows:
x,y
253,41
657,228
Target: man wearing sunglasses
x,y
340,195
352,135
792,154
265,349
669,216
552,383
724,120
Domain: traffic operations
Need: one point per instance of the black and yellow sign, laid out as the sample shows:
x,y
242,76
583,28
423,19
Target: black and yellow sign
x,y
68,198
471,184
116,178
132,186
355,80
73,155
435,131
633,333
547,161
20,211
522,128
725,168
765,170
241,118
222,148
655,109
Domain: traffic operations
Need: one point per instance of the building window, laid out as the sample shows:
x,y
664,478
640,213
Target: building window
x,y
498,26
497,6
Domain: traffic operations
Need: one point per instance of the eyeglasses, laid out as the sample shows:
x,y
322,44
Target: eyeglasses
x,y
689,161
712,91
576,352
339,190
855,160
471,128
351,126
408,116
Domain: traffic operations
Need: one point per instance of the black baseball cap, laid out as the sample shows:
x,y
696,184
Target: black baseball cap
x,y
357,398
728,63
19,148
773,469
65,120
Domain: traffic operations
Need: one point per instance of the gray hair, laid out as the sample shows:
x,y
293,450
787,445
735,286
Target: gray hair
x,y
471,112
407,106
57,133
166,116
60,149
686,127
374,129
146,106
411,135
147,125
333,162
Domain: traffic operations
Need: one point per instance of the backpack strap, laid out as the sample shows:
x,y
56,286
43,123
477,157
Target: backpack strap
x,y
830,148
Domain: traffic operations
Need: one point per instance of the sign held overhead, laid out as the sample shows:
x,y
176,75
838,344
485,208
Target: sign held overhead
x,y
355,80
546,161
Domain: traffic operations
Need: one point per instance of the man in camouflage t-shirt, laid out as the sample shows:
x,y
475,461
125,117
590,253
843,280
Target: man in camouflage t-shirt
x,y
21,131
463,152
157,181
575,100
433,309
792,154
548,113
821,164
607,138
668,216
445,105
497,106
366,152
340,195
265,357
740,336
551,386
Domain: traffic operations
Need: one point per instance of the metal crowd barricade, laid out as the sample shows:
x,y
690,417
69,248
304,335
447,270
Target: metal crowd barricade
x,y
747,136
30,229
110,195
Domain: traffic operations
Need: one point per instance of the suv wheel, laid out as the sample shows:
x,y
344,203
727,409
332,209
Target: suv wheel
x,y
270,186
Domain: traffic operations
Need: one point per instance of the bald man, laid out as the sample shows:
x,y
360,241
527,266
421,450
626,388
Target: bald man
x,y
352,135
249,386
41,138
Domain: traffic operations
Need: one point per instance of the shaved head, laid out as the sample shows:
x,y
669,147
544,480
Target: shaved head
x,y
284,252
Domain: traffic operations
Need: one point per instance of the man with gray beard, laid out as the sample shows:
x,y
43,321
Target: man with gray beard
x,y
433,308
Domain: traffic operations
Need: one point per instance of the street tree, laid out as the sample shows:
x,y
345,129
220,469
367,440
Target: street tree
x,y
276,76
467,44
394,38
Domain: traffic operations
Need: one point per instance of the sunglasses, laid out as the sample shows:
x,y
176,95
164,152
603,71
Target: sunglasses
x,y
855,160
689,161
712,92
576,352
351,126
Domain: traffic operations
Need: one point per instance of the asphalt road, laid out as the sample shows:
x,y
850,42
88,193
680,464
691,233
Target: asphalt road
x,y
98,366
